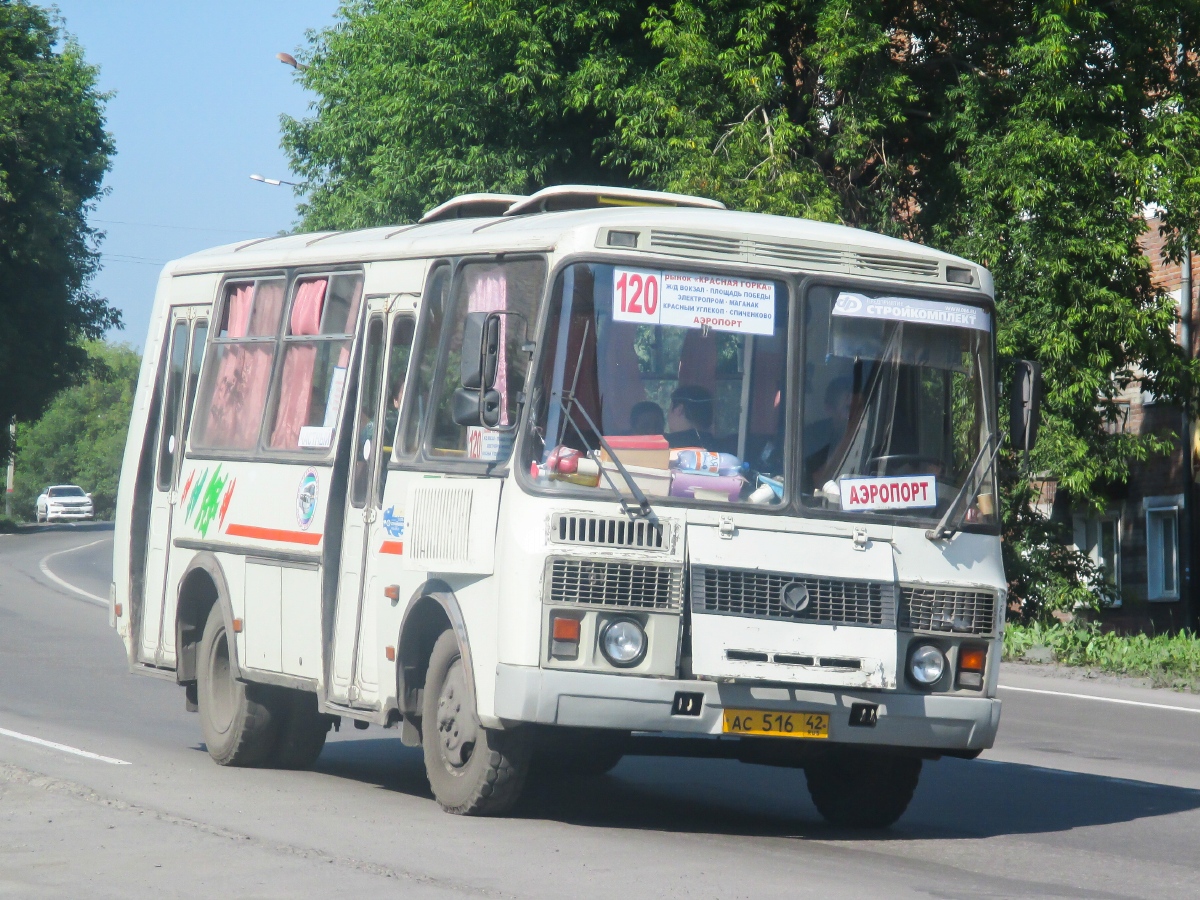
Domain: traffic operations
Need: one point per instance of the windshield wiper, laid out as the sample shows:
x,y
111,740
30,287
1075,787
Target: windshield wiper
x,y
970,488
643,509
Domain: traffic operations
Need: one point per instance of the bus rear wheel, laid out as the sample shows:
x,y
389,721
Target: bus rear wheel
x,y
239,721
474,771
860,788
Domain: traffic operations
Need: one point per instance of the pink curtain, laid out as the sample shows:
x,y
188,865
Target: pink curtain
x,y
490,294
295,385
240,389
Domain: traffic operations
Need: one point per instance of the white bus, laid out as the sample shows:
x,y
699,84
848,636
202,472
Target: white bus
x,y
541,481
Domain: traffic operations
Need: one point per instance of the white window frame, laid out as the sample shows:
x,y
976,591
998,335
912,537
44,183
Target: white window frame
x,y
1082,525
1158,510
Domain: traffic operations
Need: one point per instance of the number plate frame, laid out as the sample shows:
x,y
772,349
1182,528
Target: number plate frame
x,y
775,723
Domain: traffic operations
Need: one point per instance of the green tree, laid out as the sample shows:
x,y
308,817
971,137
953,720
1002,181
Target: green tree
x,y
1026,135
80,439
54,152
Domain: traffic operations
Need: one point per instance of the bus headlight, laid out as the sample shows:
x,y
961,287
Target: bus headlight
x,y
926,664
623,642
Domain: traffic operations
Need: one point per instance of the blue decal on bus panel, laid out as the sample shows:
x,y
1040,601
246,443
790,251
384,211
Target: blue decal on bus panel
x,y
392,523
306,499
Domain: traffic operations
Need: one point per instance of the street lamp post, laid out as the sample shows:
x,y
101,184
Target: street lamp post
x,y
272,181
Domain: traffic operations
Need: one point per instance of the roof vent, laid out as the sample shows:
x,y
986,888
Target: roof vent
x,y
471,206
584,196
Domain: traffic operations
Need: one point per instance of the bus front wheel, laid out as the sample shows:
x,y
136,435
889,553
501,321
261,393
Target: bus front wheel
x,y
860,788
474,771
239,722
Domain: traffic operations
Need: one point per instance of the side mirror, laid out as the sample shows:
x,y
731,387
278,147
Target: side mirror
x,y
471,406
480,350
1025,405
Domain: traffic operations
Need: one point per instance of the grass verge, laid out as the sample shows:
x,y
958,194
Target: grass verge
x,y
1168,660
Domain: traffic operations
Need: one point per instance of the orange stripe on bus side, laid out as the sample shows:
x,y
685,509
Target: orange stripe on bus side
x,y
273,534
396,547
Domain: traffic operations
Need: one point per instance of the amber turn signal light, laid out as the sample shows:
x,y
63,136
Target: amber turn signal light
x,y
237,626
392,592
971,659
564,637
390,653
566,630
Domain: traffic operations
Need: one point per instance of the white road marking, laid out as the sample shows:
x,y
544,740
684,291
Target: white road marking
x,y
86,754
1186,709
90,597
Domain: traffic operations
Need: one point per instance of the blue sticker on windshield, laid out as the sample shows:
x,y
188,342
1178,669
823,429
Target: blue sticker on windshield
x,y
907,309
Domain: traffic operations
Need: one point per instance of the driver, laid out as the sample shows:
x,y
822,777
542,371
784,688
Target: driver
x,y
822,437
690,418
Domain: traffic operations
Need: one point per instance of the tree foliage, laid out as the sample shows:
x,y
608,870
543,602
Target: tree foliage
x,y
1026,135
54,152
80,438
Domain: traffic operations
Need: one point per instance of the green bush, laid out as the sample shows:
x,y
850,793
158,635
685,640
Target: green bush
x,y
1166,659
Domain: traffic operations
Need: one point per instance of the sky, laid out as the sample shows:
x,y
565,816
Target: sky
x,y
197,97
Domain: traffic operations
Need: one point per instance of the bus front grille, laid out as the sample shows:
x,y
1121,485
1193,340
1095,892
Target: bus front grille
x,y
801,598
609,583
608,531
950,610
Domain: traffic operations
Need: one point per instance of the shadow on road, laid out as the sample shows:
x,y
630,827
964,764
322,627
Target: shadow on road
x,y
80,527
956,798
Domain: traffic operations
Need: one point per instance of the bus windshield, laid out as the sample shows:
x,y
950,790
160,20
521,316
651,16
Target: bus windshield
x,y
681,375
898,406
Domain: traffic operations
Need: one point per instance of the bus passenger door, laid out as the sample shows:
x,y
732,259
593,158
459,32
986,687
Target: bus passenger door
x,y
355,669
188,335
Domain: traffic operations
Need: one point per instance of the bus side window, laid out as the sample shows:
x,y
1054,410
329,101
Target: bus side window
x,y
399,354
307,399
233,391
168,441
487,287
366,446
195,358
433,312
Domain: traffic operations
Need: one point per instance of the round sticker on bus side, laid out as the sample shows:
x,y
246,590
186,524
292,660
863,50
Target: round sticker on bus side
x,y
306,499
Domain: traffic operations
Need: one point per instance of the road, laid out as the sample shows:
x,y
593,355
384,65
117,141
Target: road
x,y
1081,797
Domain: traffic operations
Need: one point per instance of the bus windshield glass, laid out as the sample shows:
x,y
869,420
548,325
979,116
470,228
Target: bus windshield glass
x,y
681,375
898,406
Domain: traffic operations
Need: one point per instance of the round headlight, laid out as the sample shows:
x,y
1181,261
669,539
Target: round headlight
x,y
623,642
926,665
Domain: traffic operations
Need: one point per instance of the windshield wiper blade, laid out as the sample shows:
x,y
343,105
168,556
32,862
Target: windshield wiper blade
x,y
643,510
970,487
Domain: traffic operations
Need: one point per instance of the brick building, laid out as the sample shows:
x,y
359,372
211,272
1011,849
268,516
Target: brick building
x,y
1142,540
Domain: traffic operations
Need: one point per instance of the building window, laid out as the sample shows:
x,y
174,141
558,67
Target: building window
x,y
1162,547
1100,538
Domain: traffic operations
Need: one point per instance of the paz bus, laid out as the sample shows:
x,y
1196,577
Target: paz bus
x,y
540,481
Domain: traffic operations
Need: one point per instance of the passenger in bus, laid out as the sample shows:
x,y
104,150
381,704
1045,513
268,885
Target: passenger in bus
x,y
647,418
690,418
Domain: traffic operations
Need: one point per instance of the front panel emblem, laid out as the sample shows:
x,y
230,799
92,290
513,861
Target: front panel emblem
x,y
306,499
794,596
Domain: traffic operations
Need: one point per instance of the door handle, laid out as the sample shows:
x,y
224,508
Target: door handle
x,y
369,514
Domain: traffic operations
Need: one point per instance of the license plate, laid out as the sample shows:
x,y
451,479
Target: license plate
x,y
770,723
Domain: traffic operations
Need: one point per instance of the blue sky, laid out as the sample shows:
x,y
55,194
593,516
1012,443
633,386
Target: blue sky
x,y
198,94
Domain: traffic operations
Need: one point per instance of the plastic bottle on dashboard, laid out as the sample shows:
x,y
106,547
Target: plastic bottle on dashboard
x,y
704,462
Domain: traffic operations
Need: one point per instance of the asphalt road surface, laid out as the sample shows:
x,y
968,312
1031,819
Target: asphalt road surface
x,y
1083,796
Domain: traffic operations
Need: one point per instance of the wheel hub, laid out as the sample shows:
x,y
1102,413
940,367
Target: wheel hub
x,y
457,729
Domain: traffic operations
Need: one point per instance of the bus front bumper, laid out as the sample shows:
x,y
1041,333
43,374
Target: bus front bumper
x,y
596,700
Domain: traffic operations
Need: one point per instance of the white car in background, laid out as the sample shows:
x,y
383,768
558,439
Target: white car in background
x,y
64,501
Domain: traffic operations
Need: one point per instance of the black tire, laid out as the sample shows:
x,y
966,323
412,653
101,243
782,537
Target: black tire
x,y
302,734
576,752
860,788
239,721
474,771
